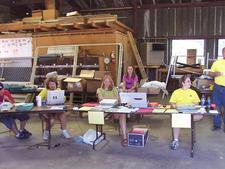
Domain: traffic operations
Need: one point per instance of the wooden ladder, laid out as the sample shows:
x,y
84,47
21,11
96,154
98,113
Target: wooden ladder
x,y
137,55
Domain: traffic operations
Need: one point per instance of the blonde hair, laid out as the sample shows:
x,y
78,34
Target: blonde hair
x,y
107,76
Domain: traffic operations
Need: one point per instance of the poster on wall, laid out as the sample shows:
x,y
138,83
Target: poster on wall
x,y
16,48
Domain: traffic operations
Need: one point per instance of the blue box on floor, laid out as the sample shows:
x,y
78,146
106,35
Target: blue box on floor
x,y
137,137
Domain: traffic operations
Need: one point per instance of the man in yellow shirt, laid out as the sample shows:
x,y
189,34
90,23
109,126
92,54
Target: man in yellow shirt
x,y
218,72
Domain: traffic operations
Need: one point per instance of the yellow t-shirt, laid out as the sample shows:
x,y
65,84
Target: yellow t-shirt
x,y
112,94
44,92
219,66
184,97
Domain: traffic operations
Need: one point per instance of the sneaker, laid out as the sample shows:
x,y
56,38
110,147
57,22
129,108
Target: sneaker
x,y
45,135
174,145
21,136
216,128
26,132
66,134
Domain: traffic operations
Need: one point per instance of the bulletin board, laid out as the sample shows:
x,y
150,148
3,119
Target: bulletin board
x,y
16,47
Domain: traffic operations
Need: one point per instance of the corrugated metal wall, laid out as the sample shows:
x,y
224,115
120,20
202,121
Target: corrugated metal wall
x,y
185,22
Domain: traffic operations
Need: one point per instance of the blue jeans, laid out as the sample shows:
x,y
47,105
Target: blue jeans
x,y
9,120
219,100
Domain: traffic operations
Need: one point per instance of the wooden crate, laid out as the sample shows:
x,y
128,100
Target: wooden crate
x,y
191,56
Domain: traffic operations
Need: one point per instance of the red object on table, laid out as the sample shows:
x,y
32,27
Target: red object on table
x,y
145,110
90,104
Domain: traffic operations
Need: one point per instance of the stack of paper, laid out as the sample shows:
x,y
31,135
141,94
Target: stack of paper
x,y
158,111
85,108
123,109
109,102
213,111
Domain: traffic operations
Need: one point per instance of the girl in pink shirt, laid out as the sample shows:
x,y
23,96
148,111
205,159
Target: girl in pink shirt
x,y
130,80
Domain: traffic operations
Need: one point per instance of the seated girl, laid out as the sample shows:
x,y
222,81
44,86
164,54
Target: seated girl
x,y
130,80
108,91
52,84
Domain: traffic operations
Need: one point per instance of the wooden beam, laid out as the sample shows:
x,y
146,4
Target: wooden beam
x,y
78,26
50,4
107,9
46,27
135,16
26,2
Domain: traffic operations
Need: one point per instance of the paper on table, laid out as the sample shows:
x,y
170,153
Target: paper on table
x,y
56,107
181,120
85,108
171,111
95,117
75,108
158,110
213,111
122,109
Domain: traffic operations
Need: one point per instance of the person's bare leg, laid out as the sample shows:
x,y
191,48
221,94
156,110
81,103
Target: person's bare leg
x,y
176,133
123,125
14,129
22,125
63,120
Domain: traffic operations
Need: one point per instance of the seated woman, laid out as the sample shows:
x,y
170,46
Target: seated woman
x,y
130,80
183,96
108,91
9,120
52,84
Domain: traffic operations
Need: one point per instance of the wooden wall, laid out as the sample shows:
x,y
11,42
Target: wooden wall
x,y
90,37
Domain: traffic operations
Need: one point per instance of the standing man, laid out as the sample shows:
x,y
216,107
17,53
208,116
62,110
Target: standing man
x,y
218,72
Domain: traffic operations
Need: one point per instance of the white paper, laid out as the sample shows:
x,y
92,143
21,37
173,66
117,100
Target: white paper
x,y
213,111
95,117
181,120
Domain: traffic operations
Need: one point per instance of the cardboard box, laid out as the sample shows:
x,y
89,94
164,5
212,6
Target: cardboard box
x,y
87,74
61,83
76,84
203,83
50,14
95,83
137,137
100,74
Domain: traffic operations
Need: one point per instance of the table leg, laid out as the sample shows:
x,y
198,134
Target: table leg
x,y
192,135
49,130
98,129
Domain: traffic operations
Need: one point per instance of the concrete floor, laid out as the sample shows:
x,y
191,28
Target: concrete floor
x,y
209,149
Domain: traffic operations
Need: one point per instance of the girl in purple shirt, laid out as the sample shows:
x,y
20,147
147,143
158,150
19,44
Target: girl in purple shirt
x,y
130,80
